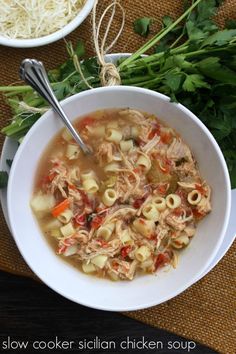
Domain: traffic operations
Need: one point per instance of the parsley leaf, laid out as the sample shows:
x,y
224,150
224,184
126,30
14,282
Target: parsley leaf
x,y
194,81
3,179
9,162
220,38
142,26
230,24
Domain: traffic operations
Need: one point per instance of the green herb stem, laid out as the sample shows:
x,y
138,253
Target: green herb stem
x,y
157,37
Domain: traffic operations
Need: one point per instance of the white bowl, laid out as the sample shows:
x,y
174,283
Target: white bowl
x,y
143,291
53,37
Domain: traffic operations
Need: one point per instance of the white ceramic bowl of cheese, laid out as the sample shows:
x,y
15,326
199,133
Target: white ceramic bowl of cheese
x,y
53,37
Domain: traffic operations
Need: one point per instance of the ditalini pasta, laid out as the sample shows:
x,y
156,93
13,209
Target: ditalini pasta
x,y
129,209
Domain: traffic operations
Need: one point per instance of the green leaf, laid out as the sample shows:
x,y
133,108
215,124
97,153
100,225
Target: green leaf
x,y
9,162
167,21
142,26
174,80
90,67
80,49
206,9
194,33
220,38
212,68
3,179
54,75
61,90
230,24
194,81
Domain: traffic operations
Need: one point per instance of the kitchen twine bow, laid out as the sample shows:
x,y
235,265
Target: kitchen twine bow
x,y
109,74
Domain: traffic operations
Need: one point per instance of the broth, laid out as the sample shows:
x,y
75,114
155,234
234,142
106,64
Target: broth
x,y
131,207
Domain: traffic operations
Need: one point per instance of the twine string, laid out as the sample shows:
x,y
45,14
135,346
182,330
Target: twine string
x,y
109,74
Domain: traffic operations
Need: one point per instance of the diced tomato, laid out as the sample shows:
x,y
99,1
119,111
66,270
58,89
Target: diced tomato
x,y
166,138
56,164
47,179
162,188
102,211
153,237
138,202
140,142
161,260
51,176
196,213
136,170
69,241
84,197
80,219
125,251
178,211
103,243
154,132
182,194
200,189
62,249
97,221
115,265
165,165
72,186
142,221
85,122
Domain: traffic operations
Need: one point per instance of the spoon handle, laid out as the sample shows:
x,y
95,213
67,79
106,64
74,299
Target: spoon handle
x,y
34,73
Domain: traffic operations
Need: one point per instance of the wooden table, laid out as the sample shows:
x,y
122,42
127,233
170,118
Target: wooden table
x,y
30,311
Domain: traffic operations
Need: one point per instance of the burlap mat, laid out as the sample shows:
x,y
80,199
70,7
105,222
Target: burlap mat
x,y
205,312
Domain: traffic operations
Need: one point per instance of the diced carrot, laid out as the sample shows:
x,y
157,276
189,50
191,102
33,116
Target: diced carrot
x,y
58,209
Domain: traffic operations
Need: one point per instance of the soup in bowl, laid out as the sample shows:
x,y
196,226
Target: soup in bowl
x,y
129,211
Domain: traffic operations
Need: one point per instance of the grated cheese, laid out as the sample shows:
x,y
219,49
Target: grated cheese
x,y
24,19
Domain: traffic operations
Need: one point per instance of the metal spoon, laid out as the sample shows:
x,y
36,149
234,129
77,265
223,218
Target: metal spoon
x,y
33,73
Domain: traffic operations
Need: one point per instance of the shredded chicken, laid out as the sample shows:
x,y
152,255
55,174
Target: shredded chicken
x,y
104,153
179,150
118,221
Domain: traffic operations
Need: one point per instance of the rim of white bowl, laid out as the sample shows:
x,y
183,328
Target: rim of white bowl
x,y
108,307
53,37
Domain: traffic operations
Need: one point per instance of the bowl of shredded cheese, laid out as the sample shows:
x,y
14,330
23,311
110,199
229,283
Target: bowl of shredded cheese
x,y
30,23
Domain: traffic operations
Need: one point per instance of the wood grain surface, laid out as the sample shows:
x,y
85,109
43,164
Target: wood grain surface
x,y
31,311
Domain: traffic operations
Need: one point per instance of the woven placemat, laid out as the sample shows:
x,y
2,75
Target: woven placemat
x,y
206,311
